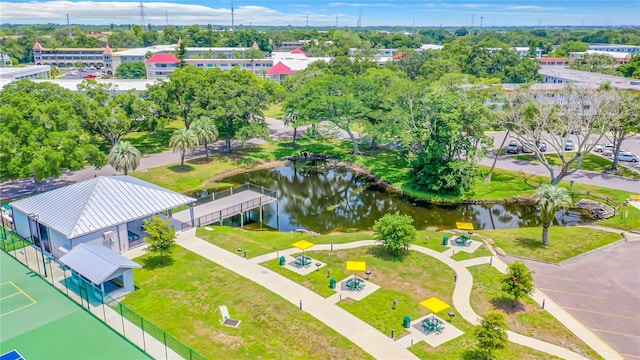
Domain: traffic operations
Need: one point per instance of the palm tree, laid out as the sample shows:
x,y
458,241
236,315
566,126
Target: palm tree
x,y
206,131
183,141
124,157
550,198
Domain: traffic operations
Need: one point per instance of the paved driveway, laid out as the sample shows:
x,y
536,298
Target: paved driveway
x,y
601,290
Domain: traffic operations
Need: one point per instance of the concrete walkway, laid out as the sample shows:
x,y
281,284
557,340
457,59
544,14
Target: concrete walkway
x,y
320,307
360,333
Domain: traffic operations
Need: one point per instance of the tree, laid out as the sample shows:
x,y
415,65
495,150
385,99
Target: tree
x,y
550,198
518,282
124,157
132,70
626,124
41,133
183,141
111,115
206,131
236,99
181,54
579,114
491,334
181,95
395,232
333,98
161,238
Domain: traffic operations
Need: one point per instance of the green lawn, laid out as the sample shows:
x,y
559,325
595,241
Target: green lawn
x,y
464,347
274,111
263,242
154,142
591,162
564,242
410,280
527,318
627,219
184,296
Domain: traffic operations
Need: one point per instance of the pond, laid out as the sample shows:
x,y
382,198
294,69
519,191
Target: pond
x,y
325,199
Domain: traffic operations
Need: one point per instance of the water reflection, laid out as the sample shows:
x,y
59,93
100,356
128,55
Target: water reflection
x,y
326,199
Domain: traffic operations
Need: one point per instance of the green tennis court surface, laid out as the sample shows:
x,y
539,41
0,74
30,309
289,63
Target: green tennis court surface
x,y
40,323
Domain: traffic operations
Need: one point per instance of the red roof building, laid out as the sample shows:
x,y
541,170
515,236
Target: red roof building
x,y
163,59
298,51
37,46
107,51
280,69
399,55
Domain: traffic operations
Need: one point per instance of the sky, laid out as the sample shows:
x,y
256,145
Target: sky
x,y
420,13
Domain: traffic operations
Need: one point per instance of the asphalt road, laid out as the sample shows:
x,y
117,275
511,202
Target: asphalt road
x,y
602,291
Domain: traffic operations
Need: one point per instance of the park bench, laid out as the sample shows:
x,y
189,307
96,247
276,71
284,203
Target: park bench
x,y
634,197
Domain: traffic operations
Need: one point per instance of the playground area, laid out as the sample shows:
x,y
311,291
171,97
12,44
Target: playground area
x,y
38,322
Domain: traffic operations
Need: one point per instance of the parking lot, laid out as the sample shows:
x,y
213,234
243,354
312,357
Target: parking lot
x,y
601,290
631,144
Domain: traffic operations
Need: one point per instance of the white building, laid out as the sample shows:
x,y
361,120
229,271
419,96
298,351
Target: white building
x,y
28,72
633,49
559,75
106,210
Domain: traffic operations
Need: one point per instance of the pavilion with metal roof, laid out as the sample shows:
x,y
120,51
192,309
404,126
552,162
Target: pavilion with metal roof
x,y
105,210
106,269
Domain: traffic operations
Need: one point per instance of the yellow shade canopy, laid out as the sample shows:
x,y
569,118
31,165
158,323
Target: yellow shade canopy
x,y
356,266
464,225
435,305
302,244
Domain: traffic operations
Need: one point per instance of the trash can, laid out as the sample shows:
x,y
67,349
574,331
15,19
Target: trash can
x,y
282,260
406,323
332,283
445,241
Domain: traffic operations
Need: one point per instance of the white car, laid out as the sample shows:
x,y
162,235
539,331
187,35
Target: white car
x,y
627,156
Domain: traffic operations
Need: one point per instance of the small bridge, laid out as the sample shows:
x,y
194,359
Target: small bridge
x,y
227,203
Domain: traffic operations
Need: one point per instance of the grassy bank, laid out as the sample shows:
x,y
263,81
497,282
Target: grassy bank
x,y
389,166
183,298
564,242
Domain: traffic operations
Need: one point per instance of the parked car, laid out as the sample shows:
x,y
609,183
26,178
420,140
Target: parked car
x,y
527,149
603,148
513,147
568,146
627,156
542,146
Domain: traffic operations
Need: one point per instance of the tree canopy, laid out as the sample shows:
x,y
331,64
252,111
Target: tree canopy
x,y
42,134
518,282
395,232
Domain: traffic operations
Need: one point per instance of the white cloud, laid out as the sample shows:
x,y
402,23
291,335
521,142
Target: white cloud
x,y
532,7
89,12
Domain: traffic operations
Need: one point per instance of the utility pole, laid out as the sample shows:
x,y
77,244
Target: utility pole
x,y
307,23
142,14
166,15
481,18
232,19
336,21
473,19
359,19
69,27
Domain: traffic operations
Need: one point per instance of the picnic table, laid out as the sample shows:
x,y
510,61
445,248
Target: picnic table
x,y
463,240
432,324
355,283
303,261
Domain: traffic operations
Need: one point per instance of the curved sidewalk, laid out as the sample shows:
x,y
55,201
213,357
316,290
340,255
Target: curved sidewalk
x,y
357,331
461,293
